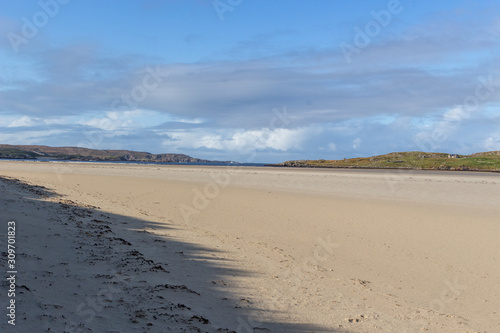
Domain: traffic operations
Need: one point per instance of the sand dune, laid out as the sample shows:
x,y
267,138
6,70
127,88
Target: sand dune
x,y
123,248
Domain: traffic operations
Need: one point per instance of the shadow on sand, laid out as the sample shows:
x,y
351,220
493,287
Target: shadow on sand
x,y
87,270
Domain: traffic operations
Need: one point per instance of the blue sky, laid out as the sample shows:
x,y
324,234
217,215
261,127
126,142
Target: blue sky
x,y
252,80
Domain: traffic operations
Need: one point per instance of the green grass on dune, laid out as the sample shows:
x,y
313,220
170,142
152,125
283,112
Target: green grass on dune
x,y
489,161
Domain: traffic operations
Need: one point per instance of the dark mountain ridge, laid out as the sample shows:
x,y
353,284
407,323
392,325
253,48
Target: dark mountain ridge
x,y
36,152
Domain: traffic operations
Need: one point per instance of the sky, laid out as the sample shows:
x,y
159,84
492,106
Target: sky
x,y
252,80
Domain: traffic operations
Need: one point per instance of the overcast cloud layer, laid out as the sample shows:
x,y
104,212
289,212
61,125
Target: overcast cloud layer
x,y
302,84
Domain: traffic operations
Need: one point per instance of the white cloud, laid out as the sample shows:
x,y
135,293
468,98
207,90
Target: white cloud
x,y
356,143
134,119
29,137
115,120
280,139
491,143
457,113
436,134
108,124
24,121
189,121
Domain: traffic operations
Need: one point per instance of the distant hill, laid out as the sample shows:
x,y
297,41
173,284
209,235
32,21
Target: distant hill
x,y
85,154
487,161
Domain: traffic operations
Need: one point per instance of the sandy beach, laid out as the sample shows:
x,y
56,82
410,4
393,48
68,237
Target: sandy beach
x,y
156,248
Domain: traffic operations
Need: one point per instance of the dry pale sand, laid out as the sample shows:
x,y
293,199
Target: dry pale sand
x,y
133,248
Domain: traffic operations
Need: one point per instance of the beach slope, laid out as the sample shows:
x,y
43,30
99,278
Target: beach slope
x,y
114,248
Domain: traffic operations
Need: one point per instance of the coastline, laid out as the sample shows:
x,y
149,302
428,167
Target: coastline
x,y
238,164
376,168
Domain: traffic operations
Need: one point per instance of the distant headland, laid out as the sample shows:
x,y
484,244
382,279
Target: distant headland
x,y
416,160
33,152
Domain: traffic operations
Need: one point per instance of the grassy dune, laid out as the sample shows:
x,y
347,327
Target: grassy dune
x,y
488,161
